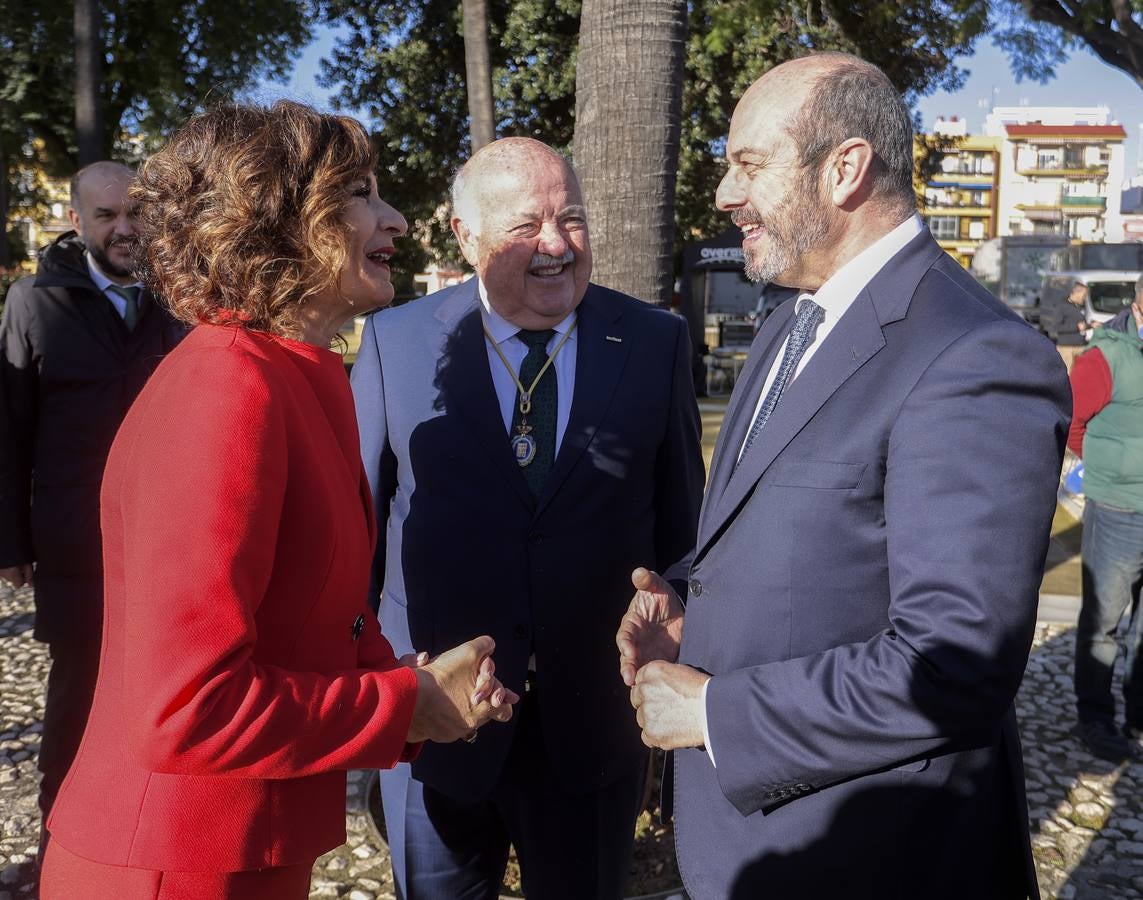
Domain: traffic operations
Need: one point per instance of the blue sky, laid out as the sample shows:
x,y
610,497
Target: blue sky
x,y
1082,81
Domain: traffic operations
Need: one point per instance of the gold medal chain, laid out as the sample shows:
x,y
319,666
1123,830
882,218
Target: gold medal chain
x,y
526,393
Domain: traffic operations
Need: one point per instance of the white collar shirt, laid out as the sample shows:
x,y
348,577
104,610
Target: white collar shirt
x,y
104,284
499,332
837,294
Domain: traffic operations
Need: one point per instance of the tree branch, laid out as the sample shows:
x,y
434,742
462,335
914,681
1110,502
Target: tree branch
x,y
1122,49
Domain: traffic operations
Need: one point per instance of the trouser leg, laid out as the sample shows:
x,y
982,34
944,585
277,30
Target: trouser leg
x,y
441,848
1111,551
70,688
571,844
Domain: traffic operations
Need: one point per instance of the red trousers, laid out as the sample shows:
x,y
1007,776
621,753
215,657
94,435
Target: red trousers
x,y
69,877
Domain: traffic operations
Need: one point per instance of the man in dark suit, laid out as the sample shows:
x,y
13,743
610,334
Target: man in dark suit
x,y
863,594
528,436
77,341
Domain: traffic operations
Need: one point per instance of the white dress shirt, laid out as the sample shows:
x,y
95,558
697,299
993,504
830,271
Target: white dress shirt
x,y
834,297
838,294
503,333
104,284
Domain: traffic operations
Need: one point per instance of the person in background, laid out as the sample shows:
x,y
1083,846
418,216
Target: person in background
x,y
1071,325
1107,432
78,340
241,674
529,437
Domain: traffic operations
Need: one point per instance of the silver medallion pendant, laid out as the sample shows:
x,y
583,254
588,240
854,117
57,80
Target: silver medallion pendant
x,y
524,449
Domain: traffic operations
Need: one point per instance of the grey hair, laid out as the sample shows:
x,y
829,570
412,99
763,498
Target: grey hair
x,y
463,206
855,99
502,153
1139,285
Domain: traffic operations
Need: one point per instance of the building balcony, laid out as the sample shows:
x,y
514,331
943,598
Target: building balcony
x,y
962,209
1041,213
960,244
1062,171
1075,203
976,179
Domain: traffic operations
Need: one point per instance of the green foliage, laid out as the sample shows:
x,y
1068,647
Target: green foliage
x,y
164,59
1040,34
733,42
403,62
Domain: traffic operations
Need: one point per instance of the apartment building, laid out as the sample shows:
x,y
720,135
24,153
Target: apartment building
x,y
1060,171
1035,170
960,200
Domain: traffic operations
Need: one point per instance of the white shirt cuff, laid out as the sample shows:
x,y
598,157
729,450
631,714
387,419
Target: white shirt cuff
x,y
705,729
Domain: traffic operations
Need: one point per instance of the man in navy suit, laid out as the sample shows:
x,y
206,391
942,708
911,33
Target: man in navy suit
x,y
862,599
529,438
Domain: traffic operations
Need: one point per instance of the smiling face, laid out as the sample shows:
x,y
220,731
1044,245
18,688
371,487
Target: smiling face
x,y
782,208
522,226
372,227
363,283
103,217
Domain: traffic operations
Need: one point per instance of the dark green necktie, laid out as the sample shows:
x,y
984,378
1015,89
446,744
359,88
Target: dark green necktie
x,y
542,416
130,297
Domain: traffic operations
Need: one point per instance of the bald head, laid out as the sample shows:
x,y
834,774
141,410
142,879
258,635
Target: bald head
x,y
820,155
519,219
827,98
505,159
102,216
103,169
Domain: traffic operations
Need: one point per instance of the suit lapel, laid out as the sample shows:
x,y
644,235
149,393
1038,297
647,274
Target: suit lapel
x,y
740,410
465,381
853,341
599,363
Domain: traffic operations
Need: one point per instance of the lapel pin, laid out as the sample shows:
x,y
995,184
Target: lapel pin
x,y
617,340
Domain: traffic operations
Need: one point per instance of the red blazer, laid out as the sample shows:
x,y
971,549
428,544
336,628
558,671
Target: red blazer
x,y
241,670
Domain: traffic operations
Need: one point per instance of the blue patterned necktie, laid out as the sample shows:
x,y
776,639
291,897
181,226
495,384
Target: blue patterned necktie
x,y
542,416
806,322
130,297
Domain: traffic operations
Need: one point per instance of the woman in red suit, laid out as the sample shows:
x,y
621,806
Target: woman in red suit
x,y
242,673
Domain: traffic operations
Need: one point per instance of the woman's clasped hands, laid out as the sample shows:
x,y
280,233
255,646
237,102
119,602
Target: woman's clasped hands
x,y
457,692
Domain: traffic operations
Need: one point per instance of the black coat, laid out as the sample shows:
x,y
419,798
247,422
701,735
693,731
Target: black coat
x,y
1062,323
69,370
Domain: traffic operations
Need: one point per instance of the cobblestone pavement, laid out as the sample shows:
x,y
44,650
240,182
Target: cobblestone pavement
x,y
1087,816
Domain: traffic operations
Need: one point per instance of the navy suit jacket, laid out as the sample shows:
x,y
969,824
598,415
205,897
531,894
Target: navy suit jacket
x,y
864,594
467,551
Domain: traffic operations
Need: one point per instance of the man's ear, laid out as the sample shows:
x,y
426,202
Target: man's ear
x,y
73,217
850,171
465,238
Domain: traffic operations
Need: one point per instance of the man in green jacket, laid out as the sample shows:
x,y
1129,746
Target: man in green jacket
x,y
1107,431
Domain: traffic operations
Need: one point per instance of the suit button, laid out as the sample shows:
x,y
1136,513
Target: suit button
x,y
696,587
520,632
535,538
358,626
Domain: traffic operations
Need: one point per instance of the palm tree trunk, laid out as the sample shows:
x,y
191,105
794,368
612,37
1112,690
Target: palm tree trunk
x,y
88,82
478,73
629,79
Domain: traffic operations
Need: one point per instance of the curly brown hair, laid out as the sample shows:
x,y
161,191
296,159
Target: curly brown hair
x,y
240,213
